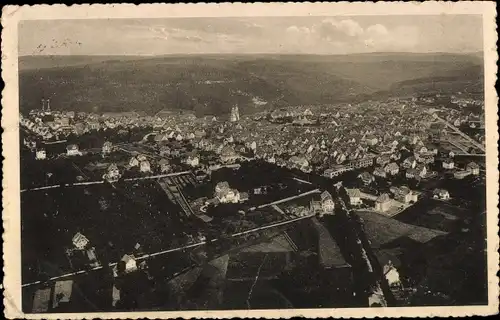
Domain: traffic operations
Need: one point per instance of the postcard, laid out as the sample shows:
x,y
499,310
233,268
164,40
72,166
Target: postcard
x,y
250,160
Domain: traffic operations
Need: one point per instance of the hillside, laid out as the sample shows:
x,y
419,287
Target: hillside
x,y
211,84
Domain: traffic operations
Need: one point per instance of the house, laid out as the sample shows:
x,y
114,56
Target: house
x,y
336,171
224,194
327,203
130,263
441,194
228,155
62,293
366,178
107,147
383,160
448,163
462,174
392,168
192,160
134,162
383,203
404,194
72,150
473,168
112,174
164,166
40,154
363,163
144,166
298,162
80,241
392,275
409,162
354,196
315,206
380,172
421,170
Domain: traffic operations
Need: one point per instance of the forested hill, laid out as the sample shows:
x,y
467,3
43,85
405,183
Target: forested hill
x,y
211,84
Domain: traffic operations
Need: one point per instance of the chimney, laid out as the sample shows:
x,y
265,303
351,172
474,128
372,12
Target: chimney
x,y
43,104
48,104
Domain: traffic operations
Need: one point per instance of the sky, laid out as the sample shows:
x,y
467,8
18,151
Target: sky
x,y
283,35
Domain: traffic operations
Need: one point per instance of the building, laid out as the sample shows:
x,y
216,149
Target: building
x,y
383,160
228,155
404,194
107,147
164,166
462,174
383,203
379,172
225,194
80,241
362,163
192,160
327,204
235,114
441,194
392,168
336,171
392,275
40,154
448,163
112,174
473,168
366,178
72,150
134,162
354,196
299,162
144,166
409,163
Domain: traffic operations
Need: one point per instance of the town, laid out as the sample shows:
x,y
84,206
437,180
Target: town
x,y
181,192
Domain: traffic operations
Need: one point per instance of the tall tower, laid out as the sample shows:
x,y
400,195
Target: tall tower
x,y
43,104
48,104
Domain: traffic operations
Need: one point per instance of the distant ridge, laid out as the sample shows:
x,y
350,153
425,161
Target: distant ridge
x,y
211,84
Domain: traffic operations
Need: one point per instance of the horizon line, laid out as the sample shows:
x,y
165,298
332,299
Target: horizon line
x,y
249,54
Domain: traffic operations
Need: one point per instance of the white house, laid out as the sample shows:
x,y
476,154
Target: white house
x,y
473,168
354,196
192,160
441,194
40,154
130,263
392,275
107,147
72,150
383,203
80,241
327,203
145,166
448,163
133,162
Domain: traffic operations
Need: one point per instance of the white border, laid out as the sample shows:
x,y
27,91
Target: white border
x,y
11,15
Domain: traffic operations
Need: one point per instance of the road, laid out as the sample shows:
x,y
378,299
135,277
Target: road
x,y
463,135
286,199
102,181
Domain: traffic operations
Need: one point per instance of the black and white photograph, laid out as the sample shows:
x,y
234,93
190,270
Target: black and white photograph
x,y
254,162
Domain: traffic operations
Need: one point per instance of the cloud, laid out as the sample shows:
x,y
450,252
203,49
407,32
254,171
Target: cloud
x,y
332,35
338,30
